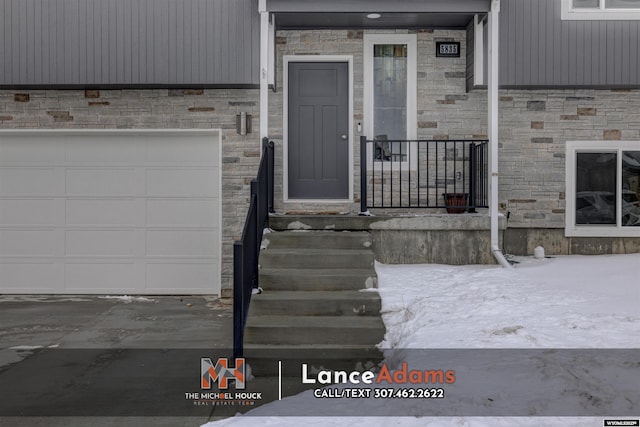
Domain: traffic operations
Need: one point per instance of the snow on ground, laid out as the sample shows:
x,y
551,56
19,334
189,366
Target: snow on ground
x,y
560,302
563,302
127,299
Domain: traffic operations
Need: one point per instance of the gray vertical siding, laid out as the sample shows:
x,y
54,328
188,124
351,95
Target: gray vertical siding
x,y
538,49
129,42
470,56
216,42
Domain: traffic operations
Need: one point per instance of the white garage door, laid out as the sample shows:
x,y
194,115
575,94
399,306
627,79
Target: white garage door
x,y
110,212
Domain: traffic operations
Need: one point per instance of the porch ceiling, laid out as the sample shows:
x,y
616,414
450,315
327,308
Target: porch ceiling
x,y
301,20
380,6
299,14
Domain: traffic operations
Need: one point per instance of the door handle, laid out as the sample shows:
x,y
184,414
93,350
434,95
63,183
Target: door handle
x,y
344,137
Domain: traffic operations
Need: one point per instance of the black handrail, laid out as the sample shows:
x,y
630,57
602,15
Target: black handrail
x,y
448,174
247,250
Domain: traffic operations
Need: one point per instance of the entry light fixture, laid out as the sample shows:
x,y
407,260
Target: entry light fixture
x,y
243,123
373,15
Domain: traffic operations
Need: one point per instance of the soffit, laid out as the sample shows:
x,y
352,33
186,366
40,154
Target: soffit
x,y
299,20
301,14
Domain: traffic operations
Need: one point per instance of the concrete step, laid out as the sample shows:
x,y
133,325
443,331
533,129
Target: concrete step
x,y
305,330
317,279
312,310
316,258
317,240
264,359
316,303
322,222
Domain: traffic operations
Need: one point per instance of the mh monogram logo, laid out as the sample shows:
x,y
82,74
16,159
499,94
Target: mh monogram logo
x,y
221,373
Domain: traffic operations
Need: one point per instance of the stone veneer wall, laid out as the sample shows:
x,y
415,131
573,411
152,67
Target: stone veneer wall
x,y
158,109
445,109
534,126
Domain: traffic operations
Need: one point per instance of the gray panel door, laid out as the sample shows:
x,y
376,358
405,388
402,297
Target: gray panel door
x,y
318,130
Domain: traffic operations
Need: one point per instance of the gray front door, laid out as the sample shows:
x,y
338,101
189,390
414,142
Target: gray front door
x,y
318,130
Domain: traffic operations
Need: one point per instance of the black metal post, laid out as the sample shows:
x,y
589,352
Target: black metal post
x,y
472,178
269,151
255,250
238,301
254,192
363,175
485,174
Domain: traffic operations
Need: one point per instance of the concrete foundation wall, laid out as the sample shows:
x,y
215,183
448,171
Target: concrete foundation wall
x,y
455,247
159,108
435,239
522,241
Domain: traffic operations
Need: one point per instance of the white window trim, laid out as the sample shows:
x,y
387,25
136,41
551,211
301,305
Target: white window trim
x,y
412,92
596,14
478,50
571,228
285,123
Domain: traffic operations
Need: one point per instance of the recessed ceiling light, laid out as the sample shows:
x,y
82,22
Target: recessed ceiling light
x,y
373,16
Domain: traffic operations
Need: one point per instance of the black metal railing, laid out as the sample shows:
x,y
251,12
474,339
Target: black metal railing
x,y
450,174
247,249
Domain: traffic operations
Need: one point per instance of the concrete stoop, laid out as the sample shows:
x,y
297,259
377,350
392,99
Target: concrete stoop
x,y
317,306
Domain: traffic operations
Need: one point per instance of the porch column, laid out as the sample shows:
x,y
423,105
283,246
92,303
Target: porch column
x,y
264,69
492,119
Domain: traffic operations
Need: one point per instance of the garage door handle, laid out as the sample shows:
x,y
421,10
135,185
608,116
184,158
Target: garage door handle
x,y
344,137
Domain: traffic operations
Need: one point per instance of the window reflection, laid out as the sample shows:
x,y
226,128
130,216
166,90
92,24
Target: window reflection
x,y
596,188
390,77
631,188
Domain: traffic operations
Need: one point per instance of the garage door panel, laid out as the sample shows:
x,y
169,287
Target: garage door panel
x,y
183,243
101,243
182,183
26,212
31,182
103,277
118,212
102,182
34,277
183,212
104,149
164,277
196,150
109,212
24,243
29,150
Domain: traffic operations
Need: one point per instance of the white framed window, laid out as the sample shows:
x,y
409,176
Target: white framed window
x,y
390,97
600,9
603,189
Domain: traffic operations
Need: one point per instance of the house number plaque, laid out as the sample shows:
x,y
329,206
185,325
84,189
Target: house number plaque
x,y
448,49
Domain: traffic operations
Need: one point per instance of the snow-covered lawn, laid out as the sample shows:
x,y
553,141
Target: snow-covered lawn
x,y
563,302
582,302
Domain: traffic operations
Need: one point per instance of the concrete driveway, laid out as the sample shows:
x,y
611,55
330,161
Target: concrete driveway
x,y
102,361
